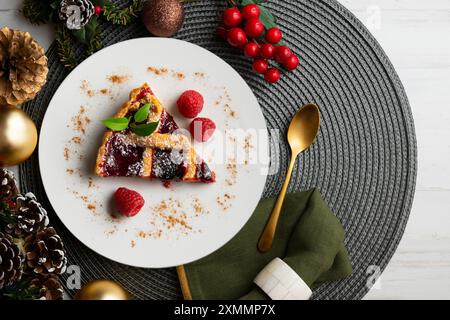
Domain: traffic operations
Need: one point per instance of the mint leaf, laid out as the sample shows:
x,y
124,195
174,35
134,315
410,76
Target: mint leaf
x,y
142,113
116,124
145,129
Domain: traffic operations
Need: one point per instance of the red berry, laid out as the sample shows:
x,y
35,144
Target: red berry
x,y
190,103
97,10
273,35
202,129
251,50
272,75
254,28
250,11
128,202
267,50
260,66
291,63
282,53
236,37
232,17
222,32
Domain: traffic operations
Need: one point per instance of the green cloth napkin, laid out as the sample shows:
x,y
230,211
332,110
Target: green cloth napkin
x,y
309,239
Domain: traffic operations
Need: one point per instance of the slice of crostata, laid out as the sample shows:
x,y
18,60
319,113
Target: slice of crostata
x,y
129,149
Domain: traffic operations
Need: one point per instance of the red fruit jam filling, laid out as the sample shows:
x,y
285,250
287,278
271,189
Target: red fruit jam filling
x,y
122,159
205,174
166,123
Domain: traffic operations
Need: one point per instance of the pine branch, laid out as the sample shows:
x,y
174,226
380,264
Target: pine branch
x,y
21,290
65,50
94,36
6,216
122,16
39,11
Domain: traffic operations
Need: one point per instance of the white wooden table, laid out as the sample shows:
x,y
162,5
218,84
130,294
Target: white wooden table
x,y
416,36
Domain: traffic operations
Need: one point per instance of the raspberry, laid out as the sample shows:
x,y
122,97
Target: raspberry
x,y
202,129
128,202
190,103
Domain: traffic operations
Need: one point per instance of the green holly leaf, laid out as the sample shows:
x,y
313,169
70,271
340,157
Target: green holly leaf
x,y
145,129
91,29
87,34
246,2
267,18
116,124
142,113
80,35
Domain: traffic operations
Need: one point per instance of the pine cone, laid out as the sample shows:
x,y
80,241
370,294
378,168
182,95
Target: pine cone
x,y
44,252
30,217
23,67
11,261
76,13
48,285
8,187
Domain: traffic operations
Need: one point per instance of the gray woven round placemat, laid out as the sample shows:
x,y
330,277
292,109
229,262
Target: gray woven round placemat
x,y
364,161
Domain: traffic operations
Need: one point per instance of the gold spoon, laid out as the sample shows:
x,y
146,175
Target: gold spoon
x,y
301,134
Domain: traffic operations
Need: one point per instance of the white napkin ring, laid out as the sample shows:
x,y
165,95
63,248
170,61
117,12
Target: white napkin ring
x,y
280,282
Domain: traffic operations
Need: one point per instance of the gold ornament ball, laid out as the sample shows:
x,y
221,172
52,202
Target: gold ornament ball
x,y
18,136
163,18
102,290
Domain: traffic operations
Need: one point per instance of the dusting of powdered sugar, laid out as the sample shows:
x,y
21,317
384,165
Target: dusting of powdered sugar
x,y
136,169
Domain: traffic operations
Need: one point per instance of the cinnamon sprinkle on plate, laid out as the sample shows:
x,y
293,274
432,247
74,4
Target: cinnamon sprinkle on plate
x,y
162,71
80,121
224,201
157,71
179,75
117,78
76,140
66,154
86,88
232,171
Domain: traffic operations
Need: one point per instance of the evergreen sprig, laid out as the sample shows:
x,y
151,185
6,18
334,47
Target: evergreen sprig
x,y
96,40
39,11
90,36
64,47
21,290
122,16
6,216
45,11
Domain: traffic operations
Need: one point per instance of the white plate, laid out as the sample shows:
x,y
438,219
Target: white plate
x,y
83,201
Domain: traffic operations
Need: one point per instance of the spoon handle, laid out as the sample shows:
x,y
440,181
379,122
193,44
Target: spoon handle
x,y
267,236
